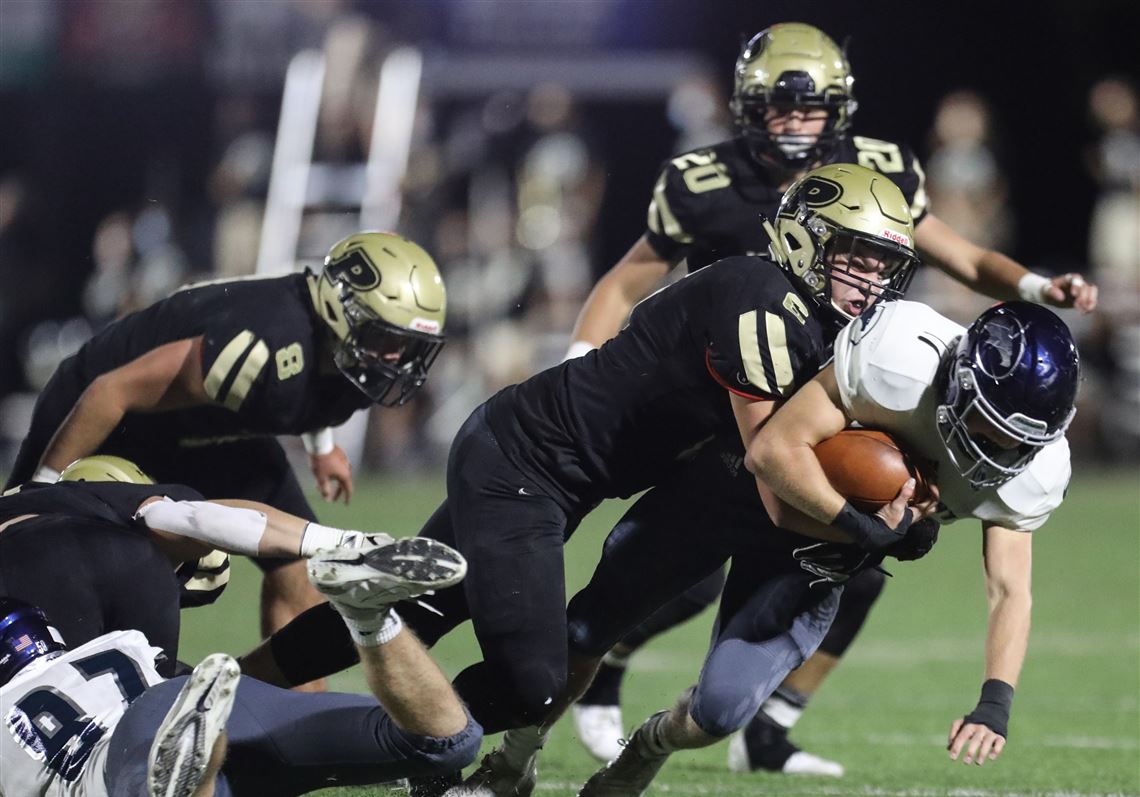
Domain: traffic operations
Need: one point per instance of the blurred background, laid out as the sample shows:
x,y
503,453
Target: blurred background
x,y
148,143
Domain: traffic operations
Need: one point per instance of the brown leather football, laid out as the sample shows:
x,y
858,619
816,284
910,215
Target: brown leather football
x,y
868,467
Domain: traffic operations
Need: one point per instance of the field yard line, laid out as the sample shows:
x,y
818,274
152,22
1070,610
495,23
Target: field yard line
x,y
877,652
926,740
865,791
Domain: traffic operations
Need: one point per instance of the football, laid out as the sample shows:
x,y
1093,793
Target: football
x,y
868,467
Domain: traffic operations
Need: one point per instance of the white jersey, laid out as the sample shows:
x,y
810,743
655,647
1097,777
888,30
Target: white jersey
x,y
59,714
886,362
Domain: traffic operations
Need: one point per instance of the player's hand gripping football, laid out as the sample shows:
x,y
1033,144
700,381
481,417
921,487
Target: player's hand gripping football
x,y
892,513
333,473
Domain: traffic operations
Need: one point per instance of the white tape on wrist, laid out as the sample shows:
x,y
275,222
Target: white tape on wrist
x,y
1032,287
231,528
46,474
318,443
577,349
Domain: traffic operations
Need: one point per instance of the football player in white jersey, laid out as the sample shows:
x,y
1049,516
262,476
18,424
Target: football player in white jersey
x,y
987,408
100,720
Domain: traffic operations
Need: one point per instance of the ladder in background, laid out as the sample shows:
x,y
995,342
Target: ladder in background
x,y
297,184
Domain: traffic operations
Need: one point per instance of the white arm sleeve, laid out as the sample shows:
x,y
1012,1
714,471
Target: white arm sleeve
x,y
231,529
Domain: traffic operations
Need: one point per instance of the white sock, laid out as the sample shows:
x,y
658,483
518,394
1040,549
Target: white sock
x,y
383,627
782,712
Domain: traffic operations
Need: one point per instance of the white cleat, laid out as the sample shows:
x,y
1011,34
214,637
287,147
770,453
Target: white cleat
x,y
599,730
185,740
798,763
362,580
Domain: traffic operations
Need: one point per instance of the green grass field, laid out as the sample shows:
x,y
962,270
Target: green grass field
x,y
918,665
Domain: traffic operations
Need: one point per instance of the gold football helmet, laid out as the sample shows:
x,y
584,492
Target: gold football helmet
x,y
104,468
383,298
791,65
841,219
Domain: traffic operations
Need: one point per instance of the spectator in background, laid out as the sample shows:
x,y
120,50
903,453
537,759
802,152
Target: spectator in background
x,y
968,191
1114,258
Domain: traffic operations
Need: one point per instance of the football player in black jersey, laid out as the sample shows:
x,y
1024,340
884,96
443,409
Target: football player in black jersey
x,y
793,105
195,387
692,377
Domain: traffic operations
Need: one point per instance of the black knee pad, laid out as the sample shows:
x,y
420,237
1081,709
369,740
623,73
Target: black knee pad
x,y
859,595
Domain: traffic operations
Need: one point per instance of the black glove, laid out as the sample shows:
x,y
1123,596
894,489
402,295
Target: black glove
x,y
993,707
918,541
870,532
833,562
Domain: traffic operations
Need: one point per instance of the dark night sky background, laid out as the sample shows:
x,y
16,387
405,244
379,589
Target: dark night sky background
x,y
83,147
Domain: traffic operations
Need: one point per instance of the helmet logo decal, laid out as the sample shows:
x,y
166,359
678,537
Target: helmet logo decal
x,y
354,268
1000,346
819,192
897,237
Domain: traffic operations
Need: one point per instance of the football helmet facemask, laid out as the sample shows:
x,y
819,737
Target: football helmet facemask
x,y
1011,386
26,634
104,468
839,222
383,298
786,66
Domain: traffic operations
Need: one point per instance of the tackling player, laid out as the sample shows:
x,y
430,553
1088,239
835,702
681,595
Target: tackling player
x,y
793,107
98,719
195,387
987,408
127,545
701,365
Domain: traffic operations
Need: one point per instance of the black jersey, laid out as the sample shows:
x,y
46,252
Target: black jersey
x,y
111,502
707,203
262,362
613,422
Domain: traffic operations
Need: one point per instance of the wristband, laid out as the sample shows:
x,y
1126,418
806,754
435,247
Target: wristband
x,y
993,707
318,443
577,349
869,532
46,473
1032,287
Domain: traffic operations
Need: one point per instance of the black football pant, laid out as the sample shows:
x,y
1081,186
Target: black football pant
x,y
514,594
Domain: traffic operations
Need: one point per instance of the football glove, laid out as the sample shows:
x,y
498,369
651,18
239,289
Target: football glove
x,y
919,541
833,563
202,582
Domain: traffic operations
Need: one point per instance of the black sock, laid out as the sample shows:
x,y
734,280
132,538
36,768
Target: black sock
x,y
767,743
606,688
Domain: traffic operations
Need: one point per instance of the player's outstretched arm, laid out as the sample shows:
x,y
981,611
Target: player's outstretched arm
x,y
165,378
981,735
237,526
631,279
994,274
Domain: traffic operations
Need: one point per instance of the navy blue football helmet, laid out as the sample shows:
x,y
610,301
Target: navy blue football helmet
x,y
1010,391
26,634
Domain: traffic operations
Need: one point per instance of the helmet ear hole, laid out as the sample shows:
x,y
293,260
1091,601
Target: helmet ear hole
x,y
792,244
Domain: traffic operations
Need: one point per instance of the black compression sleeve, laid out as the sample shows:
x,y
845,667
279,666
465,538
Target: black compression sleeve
x,y
993,707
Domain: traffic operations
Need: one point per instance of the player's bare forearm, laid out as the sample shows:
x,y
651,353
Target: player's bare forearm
x,y
165,378
610,302
1008,564
96,414
781,453
283,531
